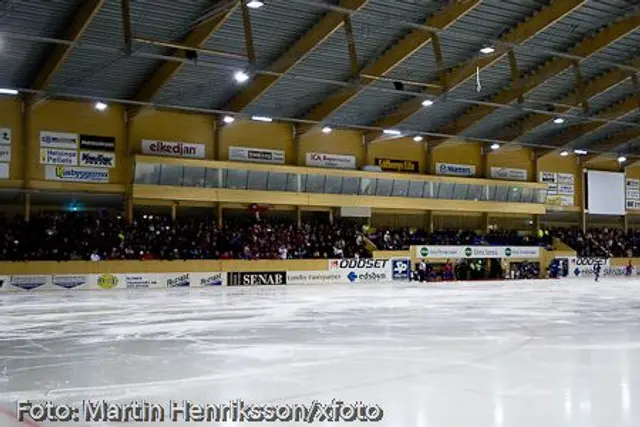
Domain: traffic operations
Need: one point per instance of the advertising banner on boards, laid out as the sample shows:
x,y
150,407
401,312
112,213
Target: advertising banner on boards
x,y
256,278
362,270
462,252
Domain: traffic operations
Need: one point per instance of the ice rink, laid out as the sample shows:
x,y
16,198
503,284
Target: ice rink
x,y
522,354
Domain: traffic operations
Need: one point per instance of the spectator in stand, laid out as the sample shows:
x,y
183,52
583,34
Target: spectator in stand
x,y
600,242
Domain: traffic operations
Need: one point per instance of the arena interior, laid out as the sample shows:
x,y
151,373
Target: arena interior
x,y
406,213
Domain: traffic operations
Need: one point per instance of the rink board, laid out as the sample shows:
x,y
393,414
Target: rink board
x,y
337,271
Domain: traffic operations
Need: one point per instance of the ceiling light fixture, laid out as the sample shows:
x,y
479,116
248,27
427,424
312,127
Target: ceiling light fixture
x,y
9,91
100,106
558,120
487,50
564,153
326,129
418,138
427,103
255,4
580,152
262,119
391,132
622,159
228,119
241,76
495,146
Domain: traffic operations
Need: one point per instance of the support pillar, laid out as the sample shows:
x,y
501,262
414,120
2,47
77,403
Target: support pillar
x,y
428,222
331,216
220,215
128,215
27,207
485,219
174,211
536,223
298,216
625,220
583,202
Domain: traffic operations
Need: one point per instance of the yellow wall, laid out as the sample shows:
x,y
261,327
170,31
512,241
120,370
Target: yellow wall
x,y
10,117
243,133
568,164
633,172
400,149
601,164
77,117
346,142
173,126
518,158
458,152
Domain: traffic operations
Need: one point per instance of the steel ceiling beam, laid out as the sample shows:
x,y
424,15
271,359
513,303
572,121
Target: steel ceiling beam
x,y
611,142
73,32
127,32
196,39
615,111
325,27
394,55
583,49
594,87
522,32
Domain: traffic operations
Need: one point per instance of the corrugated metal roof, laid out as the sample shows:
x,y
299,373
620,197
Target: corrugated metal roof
x,y
610,97
493,124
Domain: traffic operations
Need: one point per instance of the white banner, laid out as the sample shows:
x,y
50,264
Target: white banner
x,y
5,136
509,174
98,159
461,252
58,140
336,161
455,169
4,170
53,156
76,174
173,149
256,155
5,153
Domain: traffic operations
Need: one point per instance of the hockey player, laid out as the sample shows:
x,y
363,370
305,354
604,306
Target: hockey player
x,y
596,270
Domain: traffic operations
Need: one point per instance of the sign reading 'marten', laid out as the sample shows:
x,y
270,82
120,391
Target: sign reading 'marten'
x,y
461,252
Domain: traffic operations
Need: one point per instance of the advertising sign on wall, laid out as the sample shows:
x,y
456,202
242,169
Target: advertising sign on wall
x,y
76,174
54,156
336,161
5,136
397,165
461,252
205,280
455,169
362,270
255,278
69,281
256,155
560,188
633,193
173,149
58,140
5,153
97,143
29,283
313,277
509,174
97,159
4,170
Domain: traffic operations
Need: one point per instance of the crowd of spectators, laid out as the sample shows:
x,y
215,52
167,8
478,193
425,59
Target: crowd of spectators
x,y
402,239
601,242
103,236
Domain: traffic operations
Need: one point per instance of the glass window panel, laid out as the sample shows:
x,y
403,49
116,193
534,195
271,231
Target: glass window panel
x,y
501,193
211,178
515,194
400,188
277,181
431,189
292,182
416,189
147,174
489,194
257,180
541,196
460,191
193,176
350,185
445,191
368,186
527,195
236,179
384,187
333,185
171,175
315,184
475,192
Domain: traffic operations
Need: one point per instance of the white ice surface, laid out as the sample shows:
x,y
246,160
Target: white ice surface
x,y
521,354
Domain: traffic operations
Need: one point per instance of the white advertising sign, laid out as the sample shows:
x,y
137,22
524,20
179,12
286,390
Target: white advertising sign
x,y
5,153
455,169
566,178
560,188
173,149
460,252
633,193
361,270
256,155
98,159
207,280
336,161
560,200
70,281
313,277
54,156
509,174
4,170
58,140
5,136
76,174
566,189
